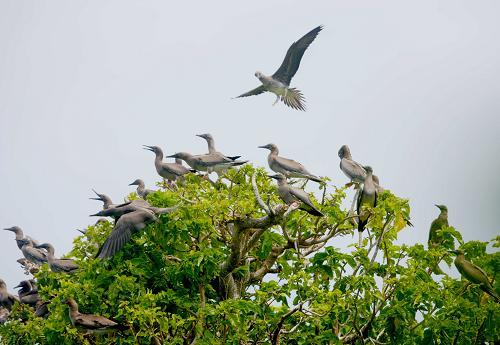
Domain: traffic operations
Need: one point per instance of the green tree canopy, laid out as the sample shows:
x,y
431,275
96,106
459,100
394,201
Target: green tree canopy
x,y
233,265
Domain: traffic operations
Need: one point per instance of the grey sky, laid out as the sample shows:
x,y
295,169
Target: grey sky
x,y
412,88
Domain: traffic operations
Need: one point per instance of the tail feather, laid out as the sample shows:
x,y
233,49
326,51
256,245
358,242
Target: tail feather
x,y
294,99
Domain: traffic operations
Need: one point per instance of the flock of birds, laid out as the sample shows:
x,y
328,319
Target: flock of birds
x,y
131,217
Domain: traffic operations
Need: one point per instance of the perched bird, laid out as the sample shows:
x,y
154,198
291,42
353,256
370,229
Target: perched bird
x,y
285,166
127,225
6,299
107,202
437,224
211,146
41,308
474,274
4,315
208,162
89,322
169,171
367,198
142,191
352,169
291,195
28,294
19,235
279,82
58,265
35,255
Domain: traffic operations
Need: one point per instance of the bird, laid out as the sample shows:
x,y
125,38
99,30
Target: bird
x,y
441,222
474,274
6,299
28,294
169,171
367,198
285,166
4,315
58,265
211,146
107,202
292,195
207,162
35,255
89,322
352,169
125,226
279,82
19,235
142,191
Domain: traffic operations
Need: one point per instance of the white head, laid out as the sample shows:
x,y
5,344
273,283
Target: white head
x,y
259,75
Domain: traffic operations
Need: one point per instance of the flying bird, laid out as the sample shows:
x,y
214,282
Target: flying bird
x,y
125,226
290,195
285,166
279,82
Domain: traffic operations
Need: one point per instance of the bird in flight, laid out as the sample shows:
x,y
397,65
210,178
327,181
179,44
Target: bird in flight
x,y
279,82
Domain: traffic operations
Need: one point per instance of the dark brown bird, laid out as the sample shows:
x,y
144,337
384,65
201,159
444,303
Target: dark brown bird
x,y
89,322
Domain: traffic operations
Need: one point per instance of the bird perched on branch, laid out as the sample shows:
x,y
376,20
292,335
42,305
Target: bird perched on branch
x,y
211,146
89,322
6,299
367,199
169,171
208,162
28,294
292,195
58,265
20,236
352,169
441,222
142,191
474,274
279,82
285,166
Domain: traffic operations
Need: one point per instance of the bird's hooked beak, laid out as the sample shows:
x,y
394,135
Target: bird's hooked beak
x,y
150,148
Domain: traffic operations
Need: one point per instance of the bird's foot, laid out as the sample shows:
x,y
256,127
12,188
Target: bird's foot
x,y
277,100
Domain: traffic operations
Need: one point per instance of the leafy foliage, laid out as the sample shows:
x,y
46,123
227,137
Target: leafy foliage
x,y
231,267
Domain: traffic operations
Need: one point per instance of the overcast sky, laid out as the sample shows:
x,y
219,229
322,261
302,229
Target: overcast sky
x,y
412,87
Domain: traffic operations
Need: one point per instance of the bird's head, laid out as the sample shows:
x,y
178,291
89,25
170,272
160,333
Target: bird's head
x,y
100,197
368,169
136,182
179,155
71,302
2,284
270,147
206,136
14,229
25,284
259,75
154,149
344,151
278,177
442,208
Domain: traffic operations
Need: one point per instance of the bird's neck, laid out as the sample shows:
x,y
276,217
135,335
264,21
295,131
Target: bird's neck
x,y
158,157
443,215
211,146
274,152
19,235
140,188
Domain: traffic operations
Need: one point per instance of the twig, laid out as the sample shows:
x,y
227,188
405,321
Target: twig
x,y
257,195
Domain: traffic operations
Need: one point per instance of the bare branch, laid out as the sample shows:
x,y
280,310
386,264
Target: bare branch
x,y
257,195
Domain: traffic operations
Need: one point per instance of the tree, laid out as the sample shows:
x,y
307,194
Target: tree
x,y
234,265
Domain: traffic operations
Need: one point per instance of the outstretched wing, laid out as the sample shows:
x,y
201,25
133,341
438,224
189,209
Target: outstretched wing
x,y
293,56
116,240
256,91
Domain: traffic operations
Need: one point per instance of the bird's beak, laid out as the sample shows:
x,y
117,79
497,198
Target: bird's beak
x,y
17,286
146,147
96,199
132,184
171,156
200,135
9,229
273,176
262,147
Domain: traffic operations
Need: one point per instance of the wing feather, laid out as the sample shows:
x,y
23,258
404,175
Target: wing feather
x,y
257,91
293,56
